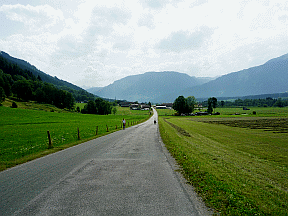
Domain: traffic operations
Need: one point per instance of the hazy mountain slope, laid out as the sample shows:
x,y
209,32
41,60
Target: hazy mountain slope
x,y
271,77
148,86
93,90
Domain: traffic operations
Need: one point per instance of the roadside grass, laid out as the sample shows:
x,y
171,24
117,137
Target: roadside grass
x,y
23,134
236,169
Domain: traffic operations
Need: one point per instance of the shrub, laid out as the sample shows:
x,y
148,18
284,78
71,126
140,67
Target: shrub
x,y
14,105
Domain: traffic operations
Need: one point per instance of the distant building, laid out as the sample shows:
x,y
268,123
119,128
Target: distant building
x,y
168,105
125,104
161,107
134,107
145,106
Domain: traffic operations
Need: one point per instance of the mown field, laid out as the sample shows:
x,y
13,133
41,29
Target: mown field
x,y
237,163
23,134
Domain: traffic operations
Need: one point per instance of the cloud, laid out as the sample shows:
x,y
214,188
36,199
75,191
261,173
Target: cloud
x,y
154,4
146,20
184,41
198,3
36,18
121,46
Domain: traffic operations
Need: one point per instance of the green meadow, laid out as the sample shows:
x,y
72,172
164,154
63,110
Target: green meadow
x,y
237,163
24,137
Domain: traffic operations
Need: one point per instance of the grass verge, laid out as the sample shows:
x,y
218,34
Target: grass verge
x,y
23,134
237,170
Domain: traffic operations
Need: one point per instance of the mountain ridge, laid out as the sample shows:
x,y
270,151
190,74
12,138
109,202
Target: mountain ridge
x,y
158,87
145,87
268,78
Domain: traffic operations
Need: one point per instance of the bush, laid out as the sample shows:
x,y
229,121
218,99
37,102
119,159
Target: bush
x,y
14,105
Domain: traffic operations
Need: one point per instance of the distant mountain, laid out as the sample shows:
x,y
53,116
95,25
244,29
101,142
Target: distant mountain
x,y
271,77
148,86
94,90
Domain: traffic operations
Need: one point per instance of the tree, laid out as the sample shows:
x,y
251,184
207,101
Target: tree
x,y
191,101
103,107
5,82
222,103
69,101
91,107
279,103
114,110
2,95
212,103
181,106
40,95
210,108
23,89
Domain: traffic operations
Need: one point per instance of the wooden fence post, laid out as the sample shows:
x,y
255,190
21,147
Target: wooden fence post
x,y
96,130
78,133
50,142
116,126
107,128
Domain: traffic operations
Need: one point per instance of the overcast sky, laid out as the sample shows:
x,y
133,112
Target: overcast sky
x,y
94,43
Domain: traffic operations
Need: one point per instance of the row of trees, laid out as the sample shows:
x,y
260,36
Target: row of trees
x,y
267,102
31,88
186,105
99,106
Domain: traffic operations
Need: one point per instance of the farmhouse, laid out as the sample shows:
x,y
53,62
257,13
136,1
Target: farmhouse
x,y
161,107
145,107
168,105
134,107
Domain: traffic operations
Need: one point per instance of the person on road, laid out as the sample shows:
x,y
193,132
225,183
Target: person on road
x,y
124,123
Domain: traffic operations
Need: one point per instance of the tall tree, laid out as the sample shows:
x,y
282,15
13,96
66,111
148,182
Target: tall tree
x,y
181,106
212,103
2,95
191,101
23,89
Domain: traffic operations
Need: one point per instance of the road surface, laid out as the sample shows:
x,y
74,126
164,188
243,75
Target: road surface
x,y
128,172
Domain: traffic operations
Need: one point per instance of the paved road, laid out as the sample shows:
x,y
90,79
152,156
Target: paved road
x,y
128,172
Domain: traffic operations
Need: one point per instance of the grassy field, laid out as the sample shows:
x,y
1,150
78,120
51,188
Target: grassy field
x,y
23,134
237,163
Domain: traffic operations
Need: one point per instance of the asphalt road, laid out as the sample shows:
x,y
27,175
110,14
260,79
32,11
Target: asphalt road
x,y
128,172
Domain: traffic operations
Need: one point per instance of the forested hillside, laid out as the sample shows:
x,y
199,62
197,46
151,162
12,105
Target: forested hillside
x,y
24,85
9,63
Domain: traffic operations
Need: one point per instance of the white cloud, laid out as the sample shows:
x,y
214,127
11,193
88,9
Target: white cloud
x,y
184,41
146,20
36,18
101,41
